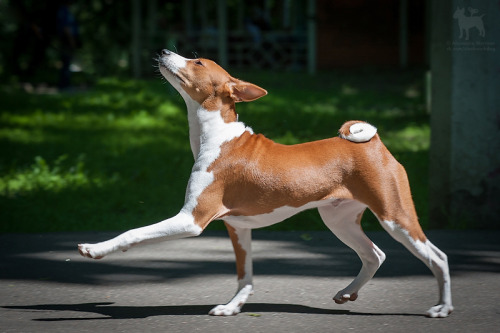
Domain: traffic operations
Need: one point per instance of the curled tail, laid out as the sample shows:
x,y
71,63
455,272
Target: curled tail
x,y
357,131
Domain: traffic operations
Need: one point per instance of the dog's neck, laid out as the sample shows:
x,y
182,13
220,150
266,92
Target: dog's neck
x,y
209,128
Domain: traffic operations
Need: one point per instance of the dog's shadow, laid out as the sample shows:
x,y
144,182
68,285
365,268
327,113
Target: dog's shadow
x,y
106,310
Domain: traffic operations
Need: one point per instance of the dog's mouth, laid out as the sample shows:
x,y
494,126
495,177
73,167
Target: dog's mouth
x,y
167,70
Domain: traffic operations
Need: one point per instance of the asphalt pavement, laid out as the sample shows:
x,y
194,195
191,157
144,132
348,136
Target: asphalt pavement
x,y
46,286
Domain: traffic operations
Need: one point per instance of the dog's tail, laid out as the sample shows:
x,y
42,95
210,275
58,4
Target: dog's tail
x,y
357,131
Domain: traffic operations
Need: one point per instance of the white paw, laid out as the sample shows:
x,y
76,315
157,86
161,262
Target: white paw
x,y
440,311
234,307
225,310
89,251
343,297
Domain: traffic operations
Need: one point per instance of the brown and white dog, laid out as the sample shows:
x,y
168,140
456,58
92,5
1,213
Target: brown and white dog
x,y
251,182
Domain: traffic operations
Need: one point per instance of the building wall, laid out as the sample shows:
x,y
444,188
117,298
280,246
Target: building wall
x,y
366,33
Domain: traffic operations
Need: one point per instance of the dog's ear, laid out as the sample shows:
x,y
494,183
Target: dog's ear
x,y
242,91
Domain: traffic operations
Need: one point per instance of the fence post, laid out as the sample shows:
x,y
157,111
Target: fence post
x,y
222,32
136,38
311,36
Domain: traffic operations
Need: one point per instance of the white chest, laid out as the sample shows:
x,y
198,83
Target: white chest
x,y
213,133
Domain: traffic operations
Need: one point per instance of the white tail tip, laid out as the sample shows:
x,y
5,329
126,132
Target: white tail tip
x,y
360,132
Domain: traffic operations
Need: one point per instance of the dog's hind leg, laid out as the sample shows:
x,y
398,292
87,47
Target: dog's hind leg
x,y
343,219
241,239
430,255
396,212
180,226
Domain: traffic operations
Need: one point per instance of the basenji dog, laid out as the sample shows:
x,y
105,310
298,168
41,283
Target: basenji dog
x,y
249,182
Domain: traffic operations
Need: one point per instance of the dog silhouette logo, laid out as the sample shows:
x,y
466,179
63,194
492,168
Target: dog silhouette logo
x,y
465,23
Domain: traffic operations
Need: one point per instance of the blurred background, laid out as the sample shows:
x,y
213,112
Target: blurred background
x,y
92,138
111,37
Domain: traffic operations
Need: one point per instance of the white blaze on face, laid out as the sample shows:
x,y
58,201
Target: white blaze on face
x,y
170,66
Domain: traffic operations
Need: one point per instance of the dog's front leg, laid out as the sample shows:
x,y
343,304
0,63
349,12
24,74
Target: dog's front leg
x,y
180,226
241,239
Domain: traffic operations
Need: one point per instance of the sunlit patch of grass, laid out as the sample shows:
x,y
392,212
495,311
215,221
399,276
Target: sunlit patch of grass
x,y
22,135
413,138
43,177
134,119
66,120
132,133
168,109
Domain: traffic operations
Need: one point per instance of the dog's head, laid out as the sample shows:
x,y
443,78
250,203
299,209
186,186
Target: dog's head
x,y
205,82
459,12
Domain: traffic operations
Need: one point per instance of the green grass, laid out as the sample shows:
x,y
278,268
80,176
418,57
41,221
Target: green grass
x,y
117,156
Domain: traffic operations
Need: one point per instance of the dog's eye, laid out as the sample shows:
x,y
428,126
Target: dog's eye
x,y
198,62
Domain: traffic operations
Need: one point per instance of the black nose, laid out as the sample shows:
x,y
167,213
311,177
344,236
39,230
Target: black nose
x,y
166,52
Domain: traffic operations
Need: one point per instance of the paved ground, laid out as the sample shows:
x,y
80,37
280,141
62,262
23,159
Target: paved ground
x,y
45,286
